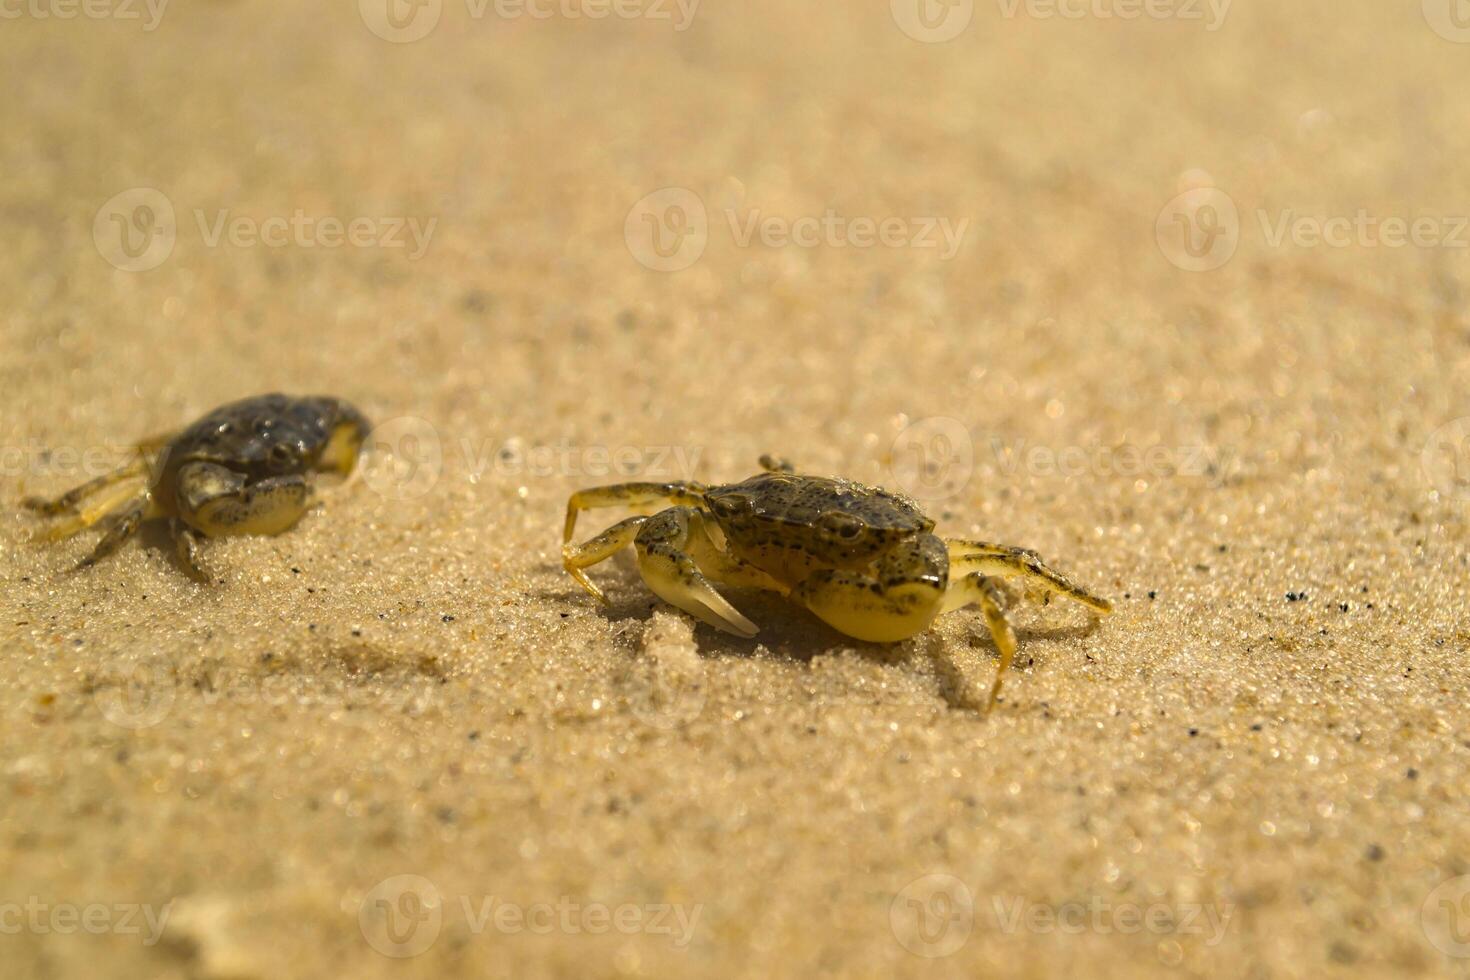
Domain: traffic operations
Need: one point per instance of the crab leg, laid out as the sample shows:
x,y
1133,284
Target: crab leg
x,y
574,558
69,500
1002,561
122,524
629,495
976,588
78,522
186,543
968,546
664,542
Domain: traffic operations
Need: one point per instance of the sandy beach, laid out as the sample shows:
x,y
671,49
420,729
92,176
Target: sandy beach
x,y
1174,294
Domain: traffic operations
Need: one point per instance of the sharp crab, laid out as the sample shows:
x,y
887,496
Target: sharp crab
x,y
863,559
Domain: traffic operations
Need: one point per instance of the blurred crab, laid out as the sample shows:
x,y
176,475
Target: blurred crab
x,y
241,469
863,559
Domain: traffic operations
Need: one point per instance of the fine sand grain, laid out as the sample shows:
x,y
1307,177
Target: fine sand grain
x,y
1258,766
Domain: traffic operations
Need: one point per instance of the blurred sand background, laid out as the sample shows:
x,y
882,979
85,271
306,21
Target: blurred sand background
x,y
1270,730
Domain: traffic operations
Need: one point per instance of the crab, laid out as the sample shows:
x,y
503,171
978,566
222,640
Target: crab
x,y
241,469
863,559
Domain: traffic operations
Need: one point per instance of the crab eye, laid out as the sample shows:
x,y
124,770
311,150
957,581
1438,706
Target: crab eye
x,y
731,503
841,524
